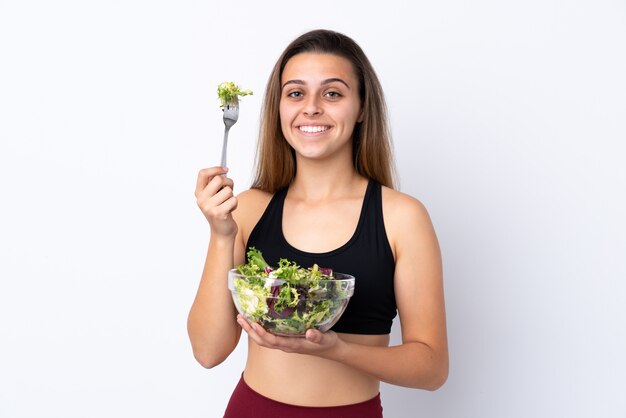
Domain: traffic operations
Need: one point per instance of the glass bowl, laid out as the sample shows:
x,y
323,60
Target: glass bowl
x,y
289,310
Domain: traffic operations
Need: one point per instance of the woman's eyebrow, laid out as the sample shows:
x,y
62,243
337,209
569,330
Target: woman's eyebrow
x,y
298,82
332,80
327,81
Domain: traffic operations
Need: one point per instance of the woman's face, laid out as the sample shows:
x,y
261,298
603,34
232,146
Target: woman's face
x,y
319,104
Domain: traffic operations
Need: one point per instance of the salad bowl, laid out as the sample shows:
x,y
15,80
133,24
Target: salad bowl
x,y
291,305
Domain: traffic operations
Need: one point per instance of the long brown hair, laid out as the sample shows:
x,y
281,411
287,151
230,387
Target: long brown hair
x,y
372,154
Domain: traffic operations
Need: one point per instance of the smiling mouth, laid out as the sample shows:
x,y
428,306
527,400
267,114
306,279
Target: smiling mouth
x,y
313,129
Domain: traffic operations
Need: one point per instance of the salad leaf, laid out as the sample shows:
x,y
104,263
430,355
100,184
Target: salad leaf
x,y
288,299
256,259
252,297
229,93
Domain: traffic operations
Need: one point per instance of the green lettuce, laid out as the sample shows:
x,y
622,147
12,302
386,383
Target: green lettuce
x,y
229,93
288,299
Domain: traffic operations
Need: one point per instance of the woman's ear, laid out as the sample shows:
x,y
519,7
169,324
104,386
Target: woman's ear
x,y
360,118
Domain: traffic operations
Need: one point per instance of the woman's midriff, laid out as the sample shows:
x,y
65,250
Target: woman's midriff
x,y
306,380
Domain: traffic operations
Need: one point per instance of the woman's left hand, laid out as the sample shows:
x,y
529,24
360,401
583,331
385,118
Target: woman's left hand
x,y
316,343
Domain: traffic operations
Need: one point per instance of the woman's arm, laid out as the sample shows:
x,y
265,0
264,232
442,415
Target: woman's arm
x,y
211,324
421,361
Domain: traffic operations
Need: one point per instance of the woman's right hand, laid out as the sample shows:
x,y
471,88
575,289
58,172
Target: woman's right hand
x,y
215,198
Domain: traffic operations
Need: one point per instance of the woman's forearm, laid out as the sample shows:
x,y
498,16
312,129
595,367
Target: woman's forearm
x,y
211,324
412,364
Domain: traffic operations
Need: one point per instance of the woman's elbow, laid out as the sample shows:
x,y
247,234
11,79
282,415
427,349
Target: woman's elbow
x,y
207,360
430,374
210,354
212,349
438,377
438,380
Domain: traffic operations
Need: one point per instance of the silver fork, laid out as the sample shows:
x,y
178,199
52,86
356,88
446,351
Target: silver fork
x,y
231,114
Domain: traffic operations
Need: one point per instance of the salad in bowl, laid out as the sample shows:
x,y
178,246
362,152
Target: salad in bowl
x,y
288,300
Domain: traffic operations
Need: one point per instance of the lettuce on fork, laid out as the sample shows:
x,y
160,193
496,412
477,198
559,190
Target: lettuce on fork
x,y
229,93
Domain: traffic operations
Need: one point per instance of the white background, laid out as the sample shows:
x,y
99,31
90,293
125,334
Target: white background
x,y
508,122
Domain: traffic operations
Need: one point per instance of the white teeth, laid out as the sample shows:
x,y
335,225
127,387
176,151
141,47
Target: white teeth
x,y
313,129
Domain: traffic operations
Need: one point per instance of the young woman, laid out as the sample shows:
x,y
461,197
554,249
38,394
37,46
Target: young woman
x,y
324,194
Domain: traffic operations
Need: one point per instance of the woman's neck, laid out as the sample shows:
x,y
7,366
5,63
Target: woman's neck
x,y
317,181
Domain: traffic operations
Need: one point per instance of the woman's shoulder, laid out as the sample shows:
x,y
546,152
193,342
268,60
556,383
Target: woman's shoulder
x,y
250,207
406,218
399,204
254,195
252,201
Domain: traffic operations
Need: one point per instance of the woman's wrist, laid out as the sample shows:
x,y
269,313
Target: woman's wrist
x,y
222,241
339,352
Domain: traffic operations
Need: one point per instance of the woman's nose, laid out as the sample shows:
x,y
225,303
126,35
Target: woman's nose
x,y
312,106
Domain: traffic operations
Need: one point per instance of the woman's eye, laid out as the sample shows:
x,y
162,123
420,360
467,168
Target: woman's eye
x,y
333,94
295,94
